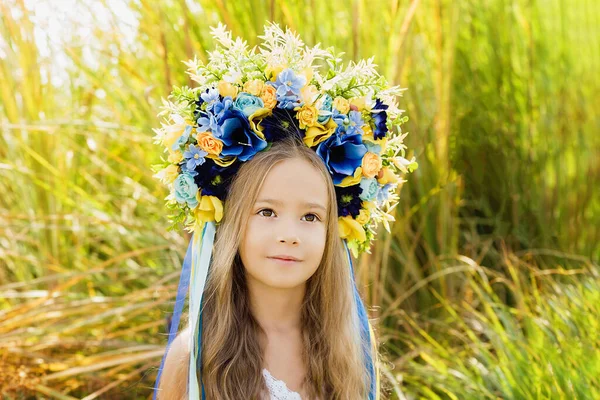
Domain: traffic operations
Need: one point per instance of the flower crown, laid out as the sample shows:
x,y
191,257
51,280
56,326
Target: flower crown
x,y
247,100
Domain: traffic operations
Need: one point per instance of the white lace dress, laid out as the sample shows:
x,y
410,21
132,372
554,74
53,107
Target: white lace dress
x,y
278,389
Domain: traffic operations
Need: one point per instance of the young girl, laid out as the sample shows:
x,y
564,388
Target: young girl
x,y
274,328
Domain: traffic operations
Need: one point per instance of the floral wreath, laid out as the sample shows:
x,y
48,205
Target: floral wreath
x,y
247,99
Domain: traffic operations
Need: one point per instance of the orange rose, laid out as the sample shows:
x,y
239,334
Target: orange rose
x,y
208,143
269,96
307,116
371,164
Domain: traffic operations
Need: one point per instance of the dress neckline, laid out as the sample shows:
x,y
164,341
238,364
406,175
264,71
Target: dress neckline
x,y
278,382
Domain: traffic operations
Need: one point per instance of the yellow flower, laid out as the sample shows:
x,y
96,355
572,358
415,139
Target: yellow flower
x,y
308,94
351,229
351,180
223,162
208,143
254,87
307,116
256,118
269,96
273,70
209,208
318,133
342,105
363,217
387,176
172,132
175,157
227,89
358,102
168,175
368,132
371,164
307,73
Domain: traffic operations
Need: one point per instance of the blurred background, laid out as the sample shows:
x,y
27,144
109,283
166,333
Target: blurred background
x,y
488,286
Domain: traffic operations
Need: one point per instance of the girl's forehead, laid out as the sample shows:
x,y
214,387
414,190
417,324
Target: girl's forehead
x,y
294,181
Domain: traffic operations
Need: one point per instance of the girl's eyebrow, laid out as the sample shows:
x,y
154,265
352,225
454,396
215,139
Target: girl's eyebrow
x,y
307,204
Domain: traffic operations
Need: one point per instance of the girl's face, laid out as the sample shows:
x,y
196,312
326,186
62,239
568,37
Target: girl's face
x,y
288,219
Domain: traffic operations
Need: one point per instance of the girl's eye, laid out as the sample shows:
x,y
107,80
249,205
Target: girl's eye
x,y
315,219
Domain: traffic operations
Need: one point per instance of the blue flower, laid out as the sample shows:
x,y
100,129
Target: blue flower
x,y
369,187
214,180
326,107
348,200
342,154
287,82
221,106
288,87
248,104
185,190
281,124
194,156
238,138
339,118
383,193
211,96
208,123
380,119
182,140
355,123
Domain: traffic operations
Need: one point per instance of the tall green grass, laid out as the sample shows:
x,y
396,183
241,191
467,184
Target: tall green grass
x,y
503,119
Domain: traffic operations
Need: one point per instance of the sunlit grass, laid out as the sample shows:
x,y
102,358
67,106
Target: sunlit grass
x,y
502,105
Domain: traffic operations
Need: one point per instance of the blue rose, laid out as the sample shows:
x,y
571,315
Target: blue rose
x,y
185,190
342,154
238,138
369,187
248,104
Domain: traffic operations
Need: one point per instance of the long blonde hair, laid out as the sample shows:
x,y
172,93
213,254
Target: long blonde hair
x,y
333,352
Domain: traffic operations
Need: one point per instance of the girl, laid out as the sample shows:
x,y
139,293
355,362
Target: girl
x,y
274,328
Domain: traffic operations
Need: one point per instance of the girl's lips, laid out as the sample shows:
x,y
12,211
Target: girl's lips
x,y
282,261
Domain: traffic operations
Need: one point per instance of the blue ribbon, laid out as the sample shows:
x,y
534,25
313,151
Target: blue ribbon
x,y
365,331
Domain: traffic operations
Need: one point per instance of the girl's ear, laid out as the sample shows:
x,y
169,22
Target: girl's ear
x,y
173,381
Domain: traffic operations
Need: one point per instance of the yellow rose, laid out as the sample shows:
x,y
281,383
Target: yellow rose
x,y
254,87
175,157
307,116
318,133
308,94
227,89
351,229
363,217
209,208
371,164
269,96
273,70
208,143
386,175
358,102
342,105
